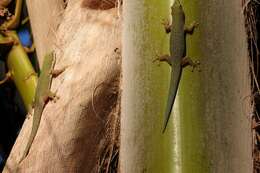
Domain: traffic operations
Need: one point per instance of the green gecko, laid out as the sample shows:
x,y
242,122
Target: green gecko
x,y
42,96
177,58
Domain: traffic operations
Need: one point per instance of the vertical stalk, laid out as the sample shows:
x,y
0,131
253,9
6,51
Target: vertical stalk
x,y
143,146
209,130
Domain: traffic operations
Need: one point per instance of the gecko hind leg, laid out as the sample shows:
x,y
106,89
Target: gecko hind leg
x,y
187,61
165,58
30,111
51,96
56,72
29,49
190,28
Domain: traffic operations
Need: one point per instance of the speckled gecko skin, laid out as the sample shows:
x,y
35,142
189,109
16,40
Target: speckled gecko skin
x,y
42,96
177,58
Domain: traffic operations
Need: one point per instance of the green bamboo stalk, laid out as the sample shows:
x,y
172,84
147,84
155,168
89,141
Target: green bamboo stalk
x,y
22,72
145,87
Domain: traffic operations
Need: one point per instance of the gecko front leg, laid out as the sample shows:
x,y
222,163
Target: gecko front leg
x,y
55,73
163,58
30,111
29,49
188,29
167,25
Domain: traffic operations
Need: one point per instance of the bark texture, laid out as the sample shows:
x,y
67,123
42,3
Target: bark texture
x,y
78,131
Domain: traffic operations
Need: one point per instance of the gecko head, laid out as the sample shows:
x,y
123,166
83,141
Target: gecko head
x,y
176,7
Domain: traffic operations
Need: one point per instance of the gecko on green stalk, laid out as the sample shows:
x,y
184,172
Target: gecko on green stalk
x,y
42,96
177,58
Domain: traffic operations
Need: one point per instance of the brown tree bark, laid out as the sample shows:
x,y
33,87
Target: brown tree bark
x,y
79,132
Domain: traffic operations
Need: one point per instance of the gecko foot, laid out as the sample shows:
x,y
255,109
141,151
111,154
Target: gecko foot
x,y
187,61
167,25
29,113
196,65
55,73
189,29
50,96
29,49
30,75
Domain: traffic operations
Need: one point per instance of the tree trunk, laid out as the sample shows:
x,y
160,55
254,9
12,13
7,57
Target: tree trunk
x,y
210,127
78,132
45,16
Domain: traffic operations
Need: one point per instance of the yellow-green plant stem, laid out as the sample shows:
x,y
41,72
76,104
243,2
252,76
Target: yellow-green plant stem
x,y
22,72
144,148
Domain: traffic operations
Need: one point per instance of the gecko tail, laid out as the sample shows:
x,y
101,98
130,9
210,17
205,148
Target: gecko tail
x,y
29,143
174,84
167,117
166,120
26,151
